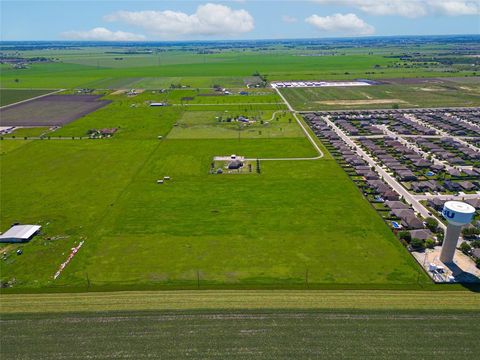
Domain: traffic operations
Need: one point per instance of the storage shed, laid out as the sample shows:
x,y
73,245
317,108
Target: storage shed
x,y
19,233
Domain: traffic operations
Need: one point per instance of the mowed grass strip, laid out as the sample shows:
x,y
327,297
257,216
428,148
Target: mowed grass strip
x,y
245,299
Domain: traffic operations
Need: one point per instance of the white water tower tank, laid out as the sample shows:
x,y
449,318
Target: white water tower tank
x,y
457,214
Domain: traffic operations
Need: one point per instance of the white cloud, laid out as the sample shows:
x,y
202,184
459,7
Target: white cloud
x,y
454,8
209,19
341,23
102,34
410,8
289,19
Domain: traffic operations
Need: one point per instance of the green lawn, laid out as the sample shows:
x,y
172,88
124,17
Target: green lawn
x,y
439,94
10,96
244,334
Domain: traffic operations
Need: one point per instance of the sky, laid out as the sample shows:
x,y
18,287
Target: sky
x,y
156,20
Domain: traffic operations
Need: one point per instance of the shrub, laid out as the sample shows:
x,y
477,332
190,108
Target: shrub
x,y
470,232
475,244
417,244
405,235
465,248
429,243
432,224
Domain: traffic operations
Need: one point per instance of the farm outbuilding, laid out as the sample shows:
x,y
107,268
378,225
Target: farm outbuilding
x,y
235,164
19,233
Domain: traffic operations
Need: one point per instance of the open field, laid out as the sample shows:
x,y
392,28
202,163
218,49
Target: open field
x,y
279,228
50,110
233,234
97,68
288,225
438,93
10,96
239,334
211,124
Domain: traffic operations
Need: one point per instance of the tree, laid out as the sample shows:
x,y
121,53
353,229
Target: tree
x,y
440,237
429,243
475,244
465,248
417,244
432,224
478,263
405,235
470,232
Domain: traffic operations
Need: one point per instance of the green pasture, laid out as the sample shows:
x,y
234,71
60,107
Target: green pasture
x,y
436,94
213,124
10,96
8,146
97,69
134,118
279,228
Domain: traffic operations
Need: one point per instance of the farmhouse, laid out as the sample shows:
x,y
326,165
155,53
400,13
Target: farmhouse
x,y
235,164
19,233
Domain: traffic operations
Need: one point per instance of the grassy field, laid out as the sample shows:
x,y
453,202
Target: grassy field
x,y
233,234
10,96
98,69
264,334
279,228
27,132
213,124
441,93
292,224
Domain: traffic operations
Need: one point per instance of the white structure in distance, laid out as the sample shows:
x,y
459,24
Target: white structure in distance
x,y
303,84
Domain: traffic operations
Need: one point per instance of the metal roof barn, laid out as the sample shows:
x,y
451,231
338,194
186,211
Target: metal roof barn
x,y
19,233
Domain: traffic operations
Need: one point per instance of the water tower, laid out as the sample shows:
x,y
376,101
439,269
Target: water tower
x,y
457,214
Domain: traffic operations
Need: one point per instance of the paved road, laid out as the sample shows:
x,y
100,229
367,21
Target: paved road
x,y
300,122
447,197
390,180
305,131
412,136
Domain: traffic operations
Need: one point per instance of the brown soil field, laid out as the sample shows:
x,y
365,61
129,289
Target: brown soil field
x,y
51,110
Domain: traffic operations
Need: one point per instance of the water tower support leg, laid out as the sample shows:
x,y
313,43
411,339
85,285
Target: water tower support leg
x,y
450,243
